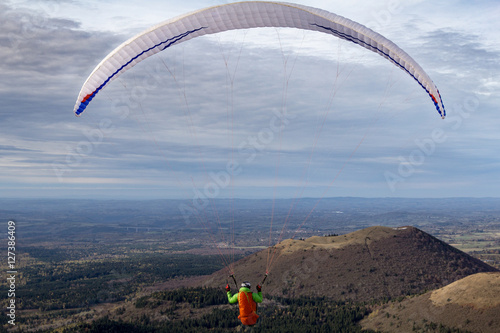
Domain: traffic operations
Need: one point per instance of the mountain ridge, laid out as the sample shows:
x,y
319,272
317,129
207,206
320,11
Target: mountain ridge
x,y
371,263
471,304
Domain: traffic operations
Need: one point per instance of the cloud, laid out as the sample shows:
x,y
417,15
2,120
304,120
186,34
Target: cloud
x,y
191,109
5,148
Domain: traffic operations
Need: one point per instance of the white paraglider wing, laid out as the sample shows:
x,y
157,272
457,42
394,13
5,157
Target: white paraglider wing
x,y
245,15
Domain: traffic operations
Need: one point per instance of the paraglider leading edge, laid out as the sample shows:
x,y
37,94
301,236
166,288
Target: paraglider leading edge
x,y
225,17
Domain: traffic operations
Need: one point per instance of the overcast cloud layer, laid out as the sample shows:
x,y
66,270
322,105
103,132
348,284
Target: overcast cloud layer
x,y
200,119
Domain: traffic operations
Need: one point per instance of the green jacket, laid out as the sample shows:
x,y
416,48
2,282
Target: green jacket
x,y
257,297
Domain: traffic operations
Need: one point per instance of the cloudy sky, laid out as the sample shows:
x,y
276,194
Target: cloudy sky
x,y
199,119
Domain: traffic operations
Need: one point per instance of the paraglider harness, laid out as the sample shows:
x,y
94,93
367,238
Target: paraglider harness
x,y
247,305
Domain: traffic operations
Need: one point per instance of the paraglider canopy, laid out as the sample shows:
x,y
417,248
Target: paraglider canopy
x,y
245,15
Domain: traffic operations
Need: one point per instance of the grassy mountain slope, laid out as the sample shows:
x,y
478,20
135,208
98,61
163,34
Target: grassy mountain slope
x,y
471,304
372,263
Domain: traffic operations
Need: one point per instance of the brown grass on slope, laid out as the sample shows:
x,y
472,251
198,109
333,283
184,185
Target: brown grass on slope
x,y
372,263
472,304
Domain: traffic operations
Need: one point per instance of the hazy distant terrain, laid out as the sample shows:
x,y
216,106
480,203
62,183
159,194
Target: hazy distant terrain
x,y
471,224
338,214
